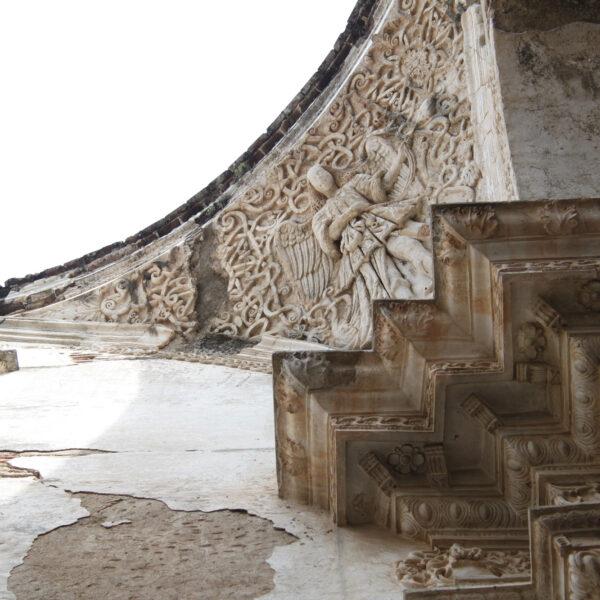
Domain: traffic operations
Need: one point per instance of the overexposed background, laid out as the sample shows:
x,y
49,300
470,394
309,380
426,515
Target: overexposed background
x,y
115,112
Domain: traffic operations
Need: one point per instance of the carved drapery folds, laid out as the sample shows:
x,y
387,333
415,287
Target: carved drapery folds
x,y
341,219
494,383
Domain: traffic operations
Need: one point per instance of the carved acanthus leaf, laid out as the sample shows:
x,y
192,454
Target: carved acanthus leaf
x,y
481,221
387,338
559,218
415,318
452,249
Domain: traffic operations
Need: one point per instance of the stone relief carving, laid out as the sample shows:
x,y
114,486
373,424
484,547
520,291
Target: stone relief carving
x,y
585,357
522,453
417,515
388,337
584,574
415,319
372,465
431,569
559,218
293,457
343,219
589,295
161,292
407,459
531,341
480,220
496,427
378,421
546,315
451,248
562,495
473,406
437,470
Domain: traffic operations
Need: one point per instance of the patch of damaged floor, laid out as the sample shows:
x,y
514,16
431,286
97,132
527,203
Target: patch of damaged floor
x,y
196,437
131,548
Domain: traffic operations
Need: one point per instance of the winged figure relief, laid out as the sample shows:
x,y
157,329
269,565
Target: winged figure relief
x,y
363,239
305,262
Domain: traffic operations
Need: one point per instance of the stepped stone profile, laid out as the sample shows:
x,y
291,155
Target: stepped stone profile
x,y
419,232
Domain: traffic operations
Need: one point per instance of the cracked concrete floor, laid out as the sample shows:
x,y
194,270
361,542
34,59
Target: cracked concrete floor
x,y
137,544
193,438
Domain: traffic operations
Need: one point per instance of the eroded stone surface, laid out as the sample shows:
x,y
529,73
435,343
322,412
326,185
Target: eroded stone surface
x,y
8,361
550,84
523,15
130,547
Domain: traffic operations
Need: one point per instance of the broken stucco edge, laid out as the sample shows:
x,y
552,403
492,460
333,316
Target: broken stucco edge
x,y
9,470
205,205
283,524
62,510
103,506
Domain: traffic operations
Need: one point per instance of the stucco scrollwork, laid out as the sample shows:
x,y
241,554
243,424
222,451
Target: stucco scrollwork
x,y
162,292
342,218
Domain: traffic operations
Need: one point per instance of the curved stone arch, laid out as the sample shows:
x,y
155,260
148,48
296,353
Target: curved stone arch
x,y
46,287
387,117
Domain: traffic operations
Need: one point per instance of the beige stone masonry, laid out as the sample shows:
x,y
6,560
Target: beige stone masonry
x,y
496,377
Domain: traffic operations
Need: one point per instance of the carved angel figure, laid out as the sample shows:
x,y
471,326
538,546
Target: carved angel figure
x,y
364,238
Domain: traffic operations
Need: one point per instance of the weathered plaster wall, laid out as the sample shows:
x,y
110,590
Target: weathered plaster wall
x,y
550,82
527,15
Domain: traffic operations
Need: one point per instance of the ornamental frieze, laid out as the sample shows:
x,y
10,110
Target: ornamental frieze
x,y
342,218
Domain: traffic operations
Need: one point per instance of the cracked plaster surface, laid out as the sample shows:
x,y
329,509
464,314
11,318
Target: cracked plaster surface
x,y
196,437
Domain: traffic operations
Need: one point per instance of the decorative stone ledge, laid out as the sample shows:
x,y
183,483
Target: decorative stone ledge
x,y
109,336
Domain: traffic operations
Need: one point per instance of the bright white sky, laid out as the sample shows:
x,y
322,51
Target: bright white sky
x,y
115,112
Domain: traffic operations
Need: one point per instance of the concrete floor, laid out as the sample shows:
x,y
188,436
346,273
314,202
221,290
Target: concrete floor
x,y
196,437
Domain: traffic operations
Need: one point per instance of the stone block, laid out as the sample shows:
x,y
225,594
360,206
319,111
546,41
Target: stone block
x,y
8,361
